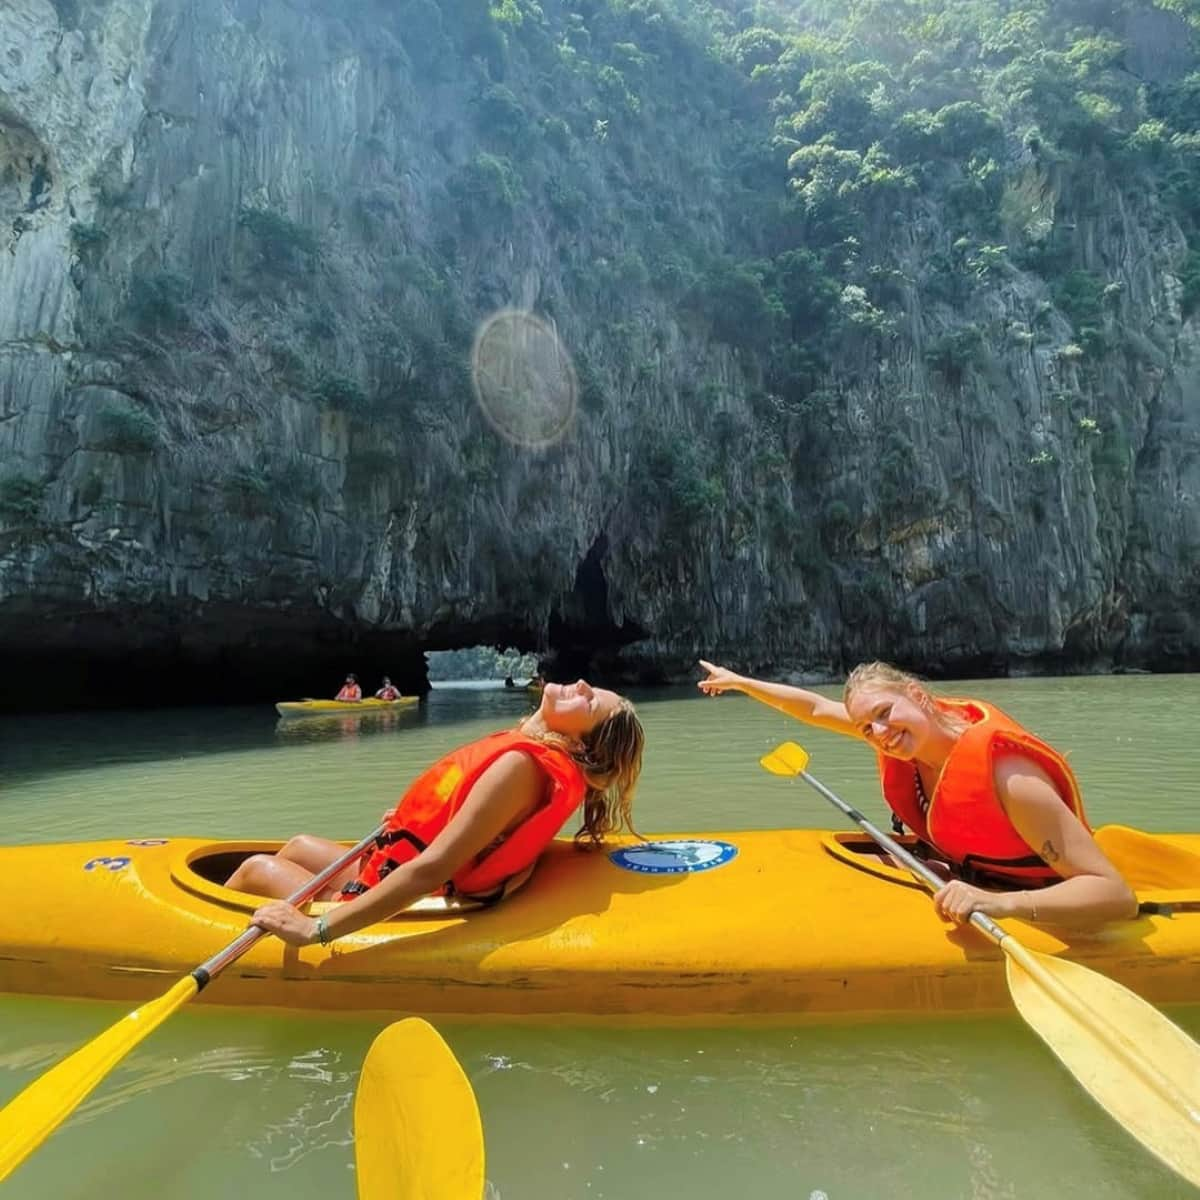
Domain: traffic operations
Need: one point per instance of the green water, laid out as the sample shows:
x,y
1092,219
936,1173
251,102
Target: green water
x,y
244,1104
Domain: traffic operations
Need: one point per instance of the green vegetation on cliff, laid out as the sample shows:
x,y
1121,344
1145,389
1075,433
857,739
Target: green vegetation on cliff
x,y
882,317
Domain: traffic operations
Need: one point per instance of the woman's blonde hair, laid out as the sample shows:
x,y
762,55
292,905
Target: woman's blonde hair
x,y
610,756
884,674
611,759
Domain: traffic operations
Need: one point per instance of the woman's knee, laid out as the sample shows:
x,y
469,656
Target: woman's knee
x,y
311,852
251,872
298,848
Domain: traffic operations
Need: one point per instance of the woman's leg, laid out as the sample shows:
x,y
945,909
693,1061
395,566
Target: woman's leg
x,y
310,852
268,875
298,860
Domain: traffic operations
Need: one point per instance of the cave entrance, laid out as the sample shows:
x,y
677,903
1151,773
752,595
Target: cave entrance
x,y
480,666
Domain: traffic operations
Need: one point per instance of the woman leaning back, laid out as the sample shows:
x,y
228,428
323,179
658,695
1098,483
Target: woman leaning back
x,y
997,804
474,823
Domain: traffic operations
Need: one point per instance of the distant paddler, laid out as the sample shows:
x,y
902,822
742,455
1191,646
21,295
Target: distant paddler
x,y
387,690
351,693
997,807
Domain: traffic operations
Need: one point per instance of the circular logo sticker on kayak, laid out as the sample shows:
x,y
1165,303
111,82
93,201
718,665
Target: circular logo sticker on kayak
x,y
674,857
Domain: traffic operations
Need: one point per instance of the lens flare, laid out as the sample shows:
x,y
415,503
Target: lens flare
x,y
524,379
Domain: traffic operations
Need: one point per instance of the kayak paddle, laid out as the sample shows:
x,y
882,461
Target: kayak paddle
x,y
1140,1067
28,1119
417,1134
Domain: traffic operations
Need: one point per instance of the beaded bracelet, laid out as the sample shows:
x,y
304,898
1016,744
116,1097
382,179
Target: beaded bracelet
x,y
323,931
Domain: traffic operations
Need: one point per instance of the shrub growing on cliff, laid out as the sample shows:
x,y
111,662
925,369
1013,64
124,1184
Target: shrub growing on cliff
x,y
248,492
125,429
341,392
740,310
21,498
1081,295
500,114
88,238
670,475
283,246
158,301
487,190
952,353
837,524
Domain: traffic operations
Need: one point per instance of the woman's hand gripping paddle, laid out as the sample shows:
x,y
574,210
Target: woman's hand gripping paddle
x,y
28,1119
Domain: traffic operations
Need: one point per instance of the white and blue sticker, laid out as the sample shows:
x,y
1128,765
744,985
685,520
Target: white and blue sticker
x,y
677,857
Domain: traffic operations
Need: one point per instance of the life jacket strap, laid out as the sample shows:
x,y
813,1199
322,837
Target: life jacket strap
x,y
974,869
392,836
982,861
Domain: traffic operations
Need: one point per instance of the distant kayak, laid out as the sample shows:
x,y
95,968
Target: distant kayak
x,y
325,708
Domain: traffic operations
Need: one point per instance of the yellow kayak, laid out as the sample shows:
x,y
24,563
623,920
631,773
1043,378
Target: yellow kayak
x,y
722,927
326,708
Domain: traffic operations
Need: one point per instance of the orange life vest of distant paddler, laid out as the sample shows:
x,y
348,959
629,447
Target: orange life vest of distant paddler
x,y
436,795
965,821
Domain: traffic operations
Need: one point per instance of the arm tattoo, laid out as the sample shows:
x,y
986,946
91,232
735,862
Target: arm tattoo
x,y
1048,851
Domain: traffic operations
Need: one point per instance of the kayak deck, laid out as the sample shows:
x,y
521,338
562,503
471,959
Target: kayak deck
x,y
727,927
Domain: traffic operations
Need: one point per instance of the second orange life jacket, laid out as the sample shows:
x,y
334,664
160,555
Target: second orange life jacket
x,y
965,821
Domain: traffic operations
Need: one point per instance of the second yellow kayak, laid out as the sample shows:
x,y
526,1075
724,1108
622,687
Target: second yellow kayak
x,y
326,708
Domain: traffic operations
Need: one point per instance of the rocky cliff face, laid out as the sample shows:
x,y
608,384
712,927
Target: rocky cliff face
x,y
247,245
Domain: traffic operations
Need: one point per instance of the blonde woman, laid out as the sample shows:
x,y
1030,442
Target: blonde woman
x,y
997,804
475,822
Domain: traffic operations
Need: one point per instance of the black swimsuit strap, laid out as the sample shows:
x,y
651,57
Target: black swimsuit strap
x,y
922,798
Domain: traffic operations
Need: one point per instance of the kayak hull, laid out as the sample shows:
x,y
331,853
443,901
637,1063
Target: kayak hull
x,y
328,708
785,926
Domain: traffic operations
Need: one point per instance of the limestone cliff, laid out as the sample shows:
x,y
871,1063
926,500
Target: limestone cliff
x,y
246,245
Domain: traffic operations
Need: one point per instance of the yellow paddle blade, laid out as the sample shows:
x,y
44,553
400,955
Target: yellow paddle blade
x,y
417,1134
1140,1067
787,759
34,1114
1148,863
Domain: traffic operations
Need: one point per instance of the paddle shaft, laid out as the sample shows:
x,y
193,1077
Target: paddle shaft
x,y
1016,951
212,967
28,1119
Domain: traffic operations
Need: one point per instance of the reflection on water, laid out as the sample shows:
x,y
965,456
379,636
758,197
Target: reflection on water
x,y
324,727
251,1103
261,1104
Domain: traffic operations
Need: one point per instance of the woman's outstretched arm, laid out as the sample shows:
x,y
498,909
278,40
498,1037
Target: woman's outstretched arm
x,y
803,705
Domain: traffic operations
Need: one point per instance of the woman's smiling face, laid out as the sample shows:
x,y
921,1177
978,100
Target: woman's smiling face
x,y
575,709
892,720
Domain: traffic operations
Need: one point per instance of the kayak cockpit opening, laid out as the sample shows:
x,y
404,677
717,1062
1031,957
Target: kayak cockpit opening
x,y
204,870
217,867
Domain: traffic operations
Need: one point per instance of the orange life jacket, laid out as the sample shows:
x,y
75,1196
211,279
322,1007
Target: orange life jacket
x,y
349,692
965,821
437,794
